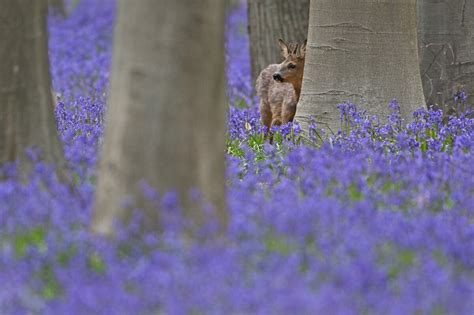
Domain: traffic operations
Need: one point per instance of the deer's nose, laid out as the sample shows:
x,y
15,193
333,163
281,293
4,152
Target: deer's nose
x,y
277,77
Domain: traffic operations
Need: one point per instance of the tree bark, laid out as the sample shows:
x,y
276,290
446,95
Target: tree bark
x,y
364,52
446,46
26,104
270,20
166,117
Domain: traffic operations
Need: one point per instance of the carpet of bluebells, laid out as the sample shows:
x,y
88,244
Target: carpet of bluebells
x,y
376,219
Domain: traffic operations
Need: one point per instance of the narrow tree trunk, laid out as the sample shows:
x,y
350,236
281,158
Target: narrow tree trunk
x,y
26,104
166,118
446,31
363,52
270,20
58,7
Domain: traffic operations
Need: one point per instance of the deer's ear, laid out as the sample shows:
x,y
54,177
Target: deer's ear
x,y
295,49
284,48
302,50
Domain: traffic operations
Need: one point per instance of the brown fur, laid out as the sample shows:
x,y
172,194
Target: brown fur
x,y
278,99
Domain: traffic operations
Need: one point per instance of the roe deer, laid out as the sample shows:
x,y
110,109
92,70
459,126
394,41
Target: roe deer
x,y
279,85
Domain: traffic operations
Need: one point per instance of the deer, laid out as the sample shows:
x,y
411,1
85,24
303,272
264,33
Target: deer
x,y
279,85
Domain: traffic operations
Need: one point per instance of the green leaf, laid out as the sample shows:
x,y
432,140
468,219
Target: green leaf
x,y
405,260
277,138
424,145
278,244
34,237
97,264
354,193
65,256
241,104
51,288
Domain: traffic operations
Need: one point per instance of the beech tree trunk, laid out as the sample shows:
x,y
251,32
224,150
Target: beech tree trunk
x,y
364,52
26,104
446,45
270,20
166,117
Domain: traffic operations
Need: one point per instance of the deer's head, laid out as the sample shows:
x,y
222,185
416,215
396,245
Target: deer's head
x,y
291,69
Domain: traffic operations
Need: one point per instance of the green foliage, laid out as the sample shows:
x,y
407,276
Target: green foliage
x,y
390,186
279,244
397,259
234,148
241,103
97,264
354,193
440,258
64,257
51,287
35,237
423,145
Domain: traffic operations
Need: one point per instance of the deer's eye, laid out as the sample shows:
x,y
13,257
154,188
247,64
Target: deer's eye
x,y
291,66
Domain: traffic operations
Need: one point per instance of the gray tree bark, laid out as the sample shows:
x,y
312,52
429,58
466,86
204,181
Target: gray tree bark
x,y
446,46
363,52
166,117
270,20
26,104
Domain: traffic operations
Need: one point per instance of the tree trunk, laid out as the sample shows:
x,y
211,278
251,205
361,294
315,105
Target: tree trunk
x,y
364,52
446,31
57,7
166,118
26,104
270,20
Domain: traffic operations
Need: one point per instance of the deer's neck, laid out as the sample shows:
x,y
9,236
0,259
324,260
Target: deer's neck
x,y
297,87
